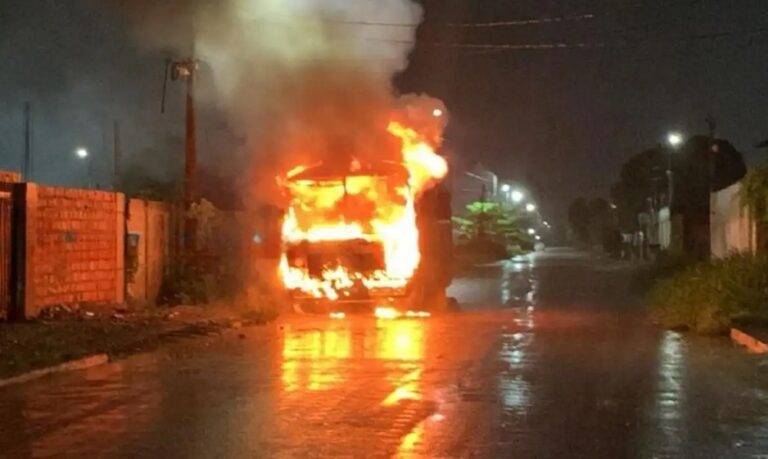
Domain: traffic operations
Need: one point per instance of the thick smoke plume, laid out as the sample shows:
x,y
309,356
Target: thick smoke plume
x,y
303,80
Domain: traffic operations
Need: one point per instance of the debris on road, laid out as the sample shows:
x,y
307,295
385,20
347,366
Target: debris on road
x,y
63,334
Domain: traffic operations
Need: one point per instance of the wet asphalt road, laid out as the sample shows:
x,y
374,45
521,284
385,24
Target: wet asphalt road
x,y
551,358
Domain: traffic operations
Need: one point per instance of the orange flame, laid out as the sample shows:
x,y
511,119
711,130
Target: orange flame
x,y
419,157
372,209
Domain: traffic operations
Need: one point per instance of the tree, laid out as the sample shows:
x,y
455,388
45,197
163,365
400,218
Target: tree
x,y
592,223
493,223
641,178
700,165
578,217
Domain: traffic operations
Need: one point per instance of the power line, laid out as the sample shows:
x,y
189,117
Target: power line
x,y
509,23
525,22
516,46
620,42
558,19
373,24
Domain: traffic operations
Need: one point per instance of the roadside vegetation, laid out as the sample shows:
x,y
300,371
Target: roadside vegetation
x,y
709,297
490,231
754,196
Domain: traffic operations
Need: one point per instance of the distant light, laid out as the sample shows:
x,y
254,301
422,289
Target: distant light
x,y
386,313
81,152
437,417
418,314
337,315
531,231
530,207
675,139
517,196
546,223
538,238
437,113
505,188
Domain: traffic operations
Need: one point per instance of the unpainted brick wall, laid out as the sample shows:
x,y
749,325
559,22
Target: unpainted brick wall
x,y
74,247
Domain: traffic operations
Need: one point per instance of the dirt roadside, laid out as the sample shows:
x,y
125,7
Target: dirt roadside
x,y
69,335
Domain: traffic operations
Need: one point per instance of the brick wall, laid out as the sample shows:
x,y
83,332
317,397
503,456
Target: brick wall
x,y
74,247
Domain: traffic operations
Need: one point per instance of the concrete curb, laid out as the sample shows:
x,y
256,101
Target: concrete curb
x,y
752,344
72,365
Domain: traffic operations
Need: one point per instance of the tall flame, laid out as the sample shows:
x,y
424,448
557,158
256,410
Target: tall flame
x,y
419,157
361,207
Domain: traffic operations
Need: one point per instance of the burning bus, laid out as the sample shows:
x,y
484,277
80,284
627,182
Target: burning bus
x,y
362,234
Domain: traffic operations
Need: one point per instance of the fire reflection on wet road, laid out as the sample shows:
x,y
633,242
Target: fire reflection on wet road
x,y
551,358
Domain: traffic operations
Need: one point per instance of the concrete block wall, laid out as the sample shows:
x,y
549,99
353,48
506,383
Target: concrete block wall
x,y
732,228
149,227
74,248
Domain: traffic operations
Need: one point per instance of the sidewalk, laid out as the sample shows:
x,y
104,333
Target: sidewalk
x,y
73,335
753,337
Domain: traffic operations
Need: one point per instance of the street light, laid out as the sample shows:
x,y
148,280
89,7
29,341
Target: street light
x,y
437,113
530,207
674,139
505,188
83,154
517,196
531,231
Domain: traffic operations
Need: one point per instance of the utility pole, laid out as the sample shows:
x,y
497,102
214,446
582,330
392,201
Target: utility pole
x,y
26,167
712,150
117,156
187,69
190,164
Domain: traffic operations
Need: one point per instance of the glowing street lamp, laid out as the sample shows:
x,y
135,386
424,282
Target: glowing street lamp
x,y
83,154
517,196
505,188
437,113
530,207
674,139
531,231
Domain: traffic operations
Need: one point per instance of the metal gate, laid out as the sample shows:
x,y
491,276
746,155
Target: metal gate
x,y
6,208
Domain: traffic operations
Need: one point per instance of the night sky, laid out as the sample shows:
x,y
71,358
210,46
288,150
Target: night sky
x,y
565,118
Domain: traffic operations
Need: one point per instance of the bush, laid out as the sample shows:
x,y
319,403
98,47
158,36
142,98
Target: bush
x,y
708,297
664,267
184,286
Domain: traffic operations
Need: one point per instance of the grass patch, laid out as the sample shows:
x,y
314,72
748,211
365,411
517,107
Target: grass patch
x,y
710,297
